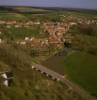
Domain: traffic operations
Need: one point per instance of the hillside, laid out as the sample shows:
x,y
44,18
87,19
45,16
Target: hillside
x,y
64,41
26,83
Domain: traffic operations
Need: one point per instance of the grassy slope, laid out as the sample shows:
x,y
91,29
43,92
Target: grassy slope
x,y
27,84
81,68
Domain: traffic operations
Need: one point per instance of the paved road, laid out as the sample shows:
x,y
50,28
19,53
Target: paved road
x,y
59,77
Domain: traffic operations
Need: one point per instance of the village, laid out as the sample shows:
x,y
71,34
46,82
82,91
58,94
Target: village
x,y
56,31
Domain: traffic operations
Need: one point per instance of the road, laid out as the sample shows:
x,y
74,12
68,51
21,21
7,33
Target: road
x,y
56,76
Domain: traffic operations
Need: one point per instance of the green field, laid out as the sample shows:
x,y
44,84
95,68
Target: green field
x,y
81,68
23,32
26,13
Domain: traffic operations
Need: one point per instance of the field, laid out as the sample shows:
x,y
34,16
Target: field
x,y
21,32
81,68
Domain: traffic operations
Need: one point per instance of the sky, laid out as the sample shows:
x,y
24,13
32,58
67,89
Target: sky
x,y
89,4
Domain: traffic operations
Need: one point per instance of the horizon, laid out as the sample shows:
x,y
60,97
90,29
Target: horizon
x,y
80,4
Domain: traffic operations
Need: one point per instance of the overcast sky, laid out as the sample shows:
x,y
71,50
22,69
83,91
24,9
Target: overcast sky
x,y
91,4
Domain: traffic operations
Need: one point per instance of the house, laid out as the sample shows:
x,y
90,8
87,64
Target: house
x,y
23,43
26,38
